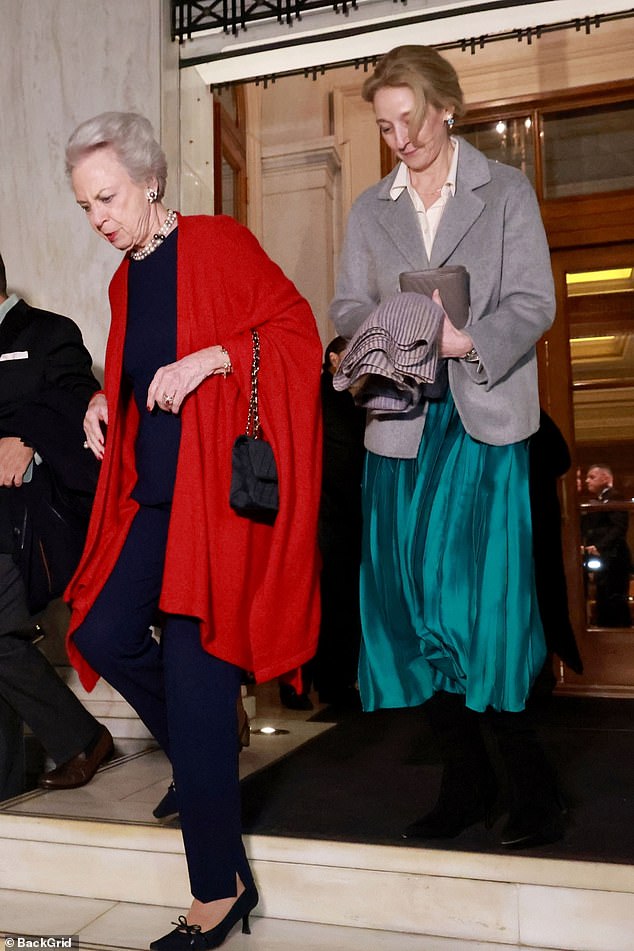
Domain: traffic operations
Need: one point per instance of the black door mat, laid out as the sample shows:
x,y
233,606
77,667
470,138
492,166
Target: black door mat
x,y
373,773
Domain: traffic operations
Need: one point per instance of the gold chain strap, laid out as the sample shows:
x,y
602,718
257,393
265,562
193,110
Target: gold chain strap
x,y
253,419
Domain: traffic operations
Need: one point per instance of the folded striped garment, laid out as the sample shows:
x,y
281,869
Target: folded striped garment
x,y
393,354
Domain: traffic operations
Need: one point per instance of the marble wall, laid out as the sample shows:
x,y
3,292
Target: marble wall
x,y
61,62
303,183
197,144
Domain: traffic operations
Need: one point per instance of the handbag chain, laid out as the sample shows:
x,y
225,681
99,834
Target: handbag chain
x,y
253,419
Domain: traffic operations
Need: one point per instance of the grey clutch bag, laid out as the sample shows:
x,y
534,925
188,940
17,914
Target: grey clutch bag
x,y
453,284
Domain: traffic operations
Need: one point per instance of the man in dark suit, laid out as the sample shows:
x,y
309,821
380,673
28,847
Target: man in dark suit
x,y
604,535
45,384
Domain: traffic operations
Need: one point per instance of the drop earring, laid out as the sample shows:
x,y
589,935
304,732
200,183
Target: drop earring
x,y
450,121
152,195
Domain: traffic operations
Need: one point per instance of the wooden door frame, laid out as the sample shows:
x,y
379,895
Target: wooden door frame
x,y
230,145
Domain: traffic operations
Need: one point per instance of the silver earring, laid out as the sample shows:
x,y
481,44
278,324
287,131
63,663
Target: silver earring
x,y
450,121
152,195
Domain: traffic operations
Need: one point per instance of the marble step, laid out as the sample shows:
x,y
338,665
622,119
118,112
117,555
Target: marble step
x,y
113,926
500,899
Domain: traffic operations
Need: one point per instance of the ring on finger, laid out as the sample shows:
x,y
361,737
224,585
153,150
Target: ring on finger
x,y
167,399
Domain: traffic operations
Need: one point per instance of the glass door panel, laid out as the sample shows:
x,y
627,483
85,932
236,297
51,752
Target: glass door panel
x,y
509,140
595,290
600,306
589,150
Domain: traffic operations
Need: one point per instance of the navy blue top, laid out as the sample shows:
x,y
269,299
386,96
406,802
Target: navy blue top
x,y
150,343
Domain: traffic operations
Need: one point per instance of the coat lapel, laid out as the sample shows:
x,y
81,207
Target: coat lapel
x,y
400,220
463,210
460,213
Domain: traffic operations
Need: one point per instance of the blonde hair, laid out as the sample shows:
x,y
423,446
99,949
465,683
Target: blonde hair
x,y
131,136
431,77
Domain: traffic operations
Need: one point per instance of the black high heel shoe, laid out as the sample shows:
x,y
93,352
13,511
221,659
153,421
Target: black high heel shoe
x,y
168,806
186,937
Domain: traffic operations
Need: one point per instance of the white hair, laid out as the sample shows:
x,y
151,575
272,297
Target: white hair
x,y
131,137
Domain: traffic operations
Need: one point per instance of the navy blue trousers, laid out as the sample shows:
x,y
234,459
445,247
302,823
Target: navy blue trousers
x,y
185,696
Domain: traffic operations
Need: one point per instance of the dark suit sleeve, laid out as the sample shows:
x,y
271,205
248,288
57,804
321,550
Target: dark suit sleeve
x,y
48,414
68,364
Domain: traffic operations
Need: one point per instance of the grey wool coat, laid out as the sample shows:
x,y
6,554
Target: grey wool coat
x,y
492,226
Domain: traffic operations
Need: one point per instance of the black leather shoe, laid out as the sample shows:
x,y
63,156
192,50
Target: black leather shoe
x,y
187,937
81,768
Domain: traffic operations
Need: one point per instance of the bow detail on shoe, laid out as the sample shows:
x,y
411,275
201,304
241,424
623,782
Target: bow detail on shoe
x,y
186,928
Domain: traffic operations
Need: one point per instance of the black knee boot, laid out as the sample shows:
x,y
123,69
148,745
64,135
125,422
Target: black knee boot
x,y
536,808
468,788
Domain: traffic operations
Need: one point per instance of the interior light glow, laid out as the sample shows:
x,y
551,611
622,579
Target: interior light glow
x,y
500,127
528,122
601,337
587,277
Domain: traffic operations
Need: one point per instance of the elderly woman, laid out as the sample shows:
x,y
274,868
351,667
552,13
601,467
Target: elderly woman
x,y
233,594
450,617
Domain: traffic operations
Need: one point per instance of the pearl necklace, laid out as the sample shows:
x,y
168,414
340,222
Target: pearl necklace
x,y
157,239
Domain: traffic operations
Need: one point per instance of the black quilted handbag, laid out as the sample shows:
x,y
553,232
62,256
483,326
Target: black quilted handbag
x,y
254,486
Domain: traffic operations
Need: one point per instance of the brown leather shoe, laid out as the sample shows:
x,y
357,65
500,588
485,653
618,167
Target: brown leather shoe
x,y
81,768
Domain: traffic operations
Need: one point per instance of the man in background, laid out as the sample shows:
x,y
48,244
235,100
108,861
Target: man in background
x,y
46,382
604,537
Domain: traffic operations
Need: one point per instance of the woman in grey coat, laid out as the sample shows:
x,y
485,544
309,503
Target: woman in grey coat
x,y
449,610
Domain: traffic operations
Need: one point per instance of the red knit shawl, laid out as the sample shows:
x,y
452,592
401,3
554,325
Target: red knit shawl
x,y
255,588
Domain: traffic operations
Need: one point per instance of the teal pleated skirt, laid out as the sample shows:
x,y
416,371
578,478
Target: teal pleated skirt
x,y
448,596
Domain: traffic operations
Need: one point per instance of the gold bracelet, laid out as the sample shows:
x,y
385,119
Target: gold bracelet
x,y
226,367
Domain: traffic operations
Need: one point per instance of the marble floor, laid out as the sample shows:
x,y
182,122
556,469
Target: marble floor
x,y
128,787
